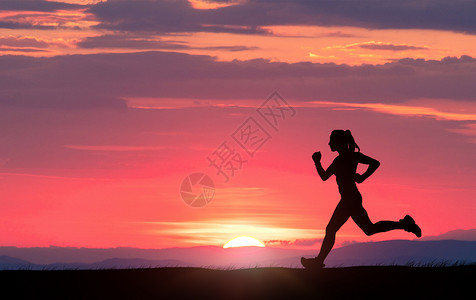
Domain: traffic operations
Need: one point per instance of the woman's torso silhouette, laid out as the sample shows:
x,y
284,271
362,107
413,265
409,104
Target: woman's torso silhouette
x,y
344,168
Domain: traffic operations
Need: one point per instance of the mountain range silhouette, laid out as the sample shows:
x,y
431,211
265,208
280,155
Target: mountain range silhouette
x,y
394,252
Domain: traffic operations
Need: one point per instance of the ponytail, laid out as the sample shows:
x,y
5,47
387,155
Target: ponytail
x,y
345,139
350,141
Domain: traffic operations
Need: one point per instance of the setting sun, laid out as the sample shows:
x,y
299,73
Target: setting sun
x,y
243,241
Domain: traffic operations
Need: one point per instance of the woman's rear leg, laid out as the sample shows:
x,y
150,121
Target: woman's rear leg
x,y
361,218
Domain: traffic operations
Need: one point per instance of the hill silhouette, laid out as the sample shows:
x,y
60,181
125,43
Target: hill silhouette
x,y
373,253
458,234
11,263
8,262
404,252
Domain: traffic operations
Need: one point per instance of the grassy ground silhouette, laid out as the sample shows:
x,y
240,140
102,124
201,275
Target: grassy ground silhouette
x,y
382,282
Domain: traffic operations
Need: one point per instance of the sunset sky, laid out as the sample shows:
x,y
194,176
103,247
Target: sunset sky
x,y
107,106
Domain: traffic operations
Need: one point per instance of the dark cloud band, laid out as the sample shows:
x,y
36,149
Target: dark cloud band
x,y
102,80
250,16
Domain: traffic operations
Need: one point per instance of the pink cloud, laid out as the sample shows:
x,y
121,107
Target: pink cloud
x,y
116,148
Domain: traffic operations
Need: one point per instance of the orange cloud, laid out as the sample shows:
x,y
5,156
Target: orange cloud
x,y
204,4
403,110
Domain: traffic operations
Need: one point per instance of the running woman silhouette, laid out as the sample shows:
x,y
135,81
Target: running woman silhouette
x,y
344,167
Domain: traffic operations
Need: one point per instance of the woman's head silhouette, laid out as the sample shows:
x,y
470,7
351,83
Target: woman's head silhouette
x,y
342,141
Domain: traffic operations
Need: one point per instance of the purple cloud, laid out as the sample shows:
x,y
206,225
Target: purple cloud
x,y
250,16
13,41
26,50
390,47
104,80
147,42
36,5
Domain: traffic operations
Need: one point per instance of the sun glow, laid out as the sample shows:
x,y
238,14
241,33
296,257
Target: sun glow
x,y
243,241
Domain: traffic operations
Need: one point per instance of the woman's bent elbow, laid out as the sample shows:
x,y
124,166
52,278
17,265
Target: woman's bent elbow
x,y
376,164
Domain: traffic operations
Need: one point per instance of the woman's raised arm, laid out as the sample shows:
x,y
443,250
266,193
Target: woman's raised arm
x,y
324,174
